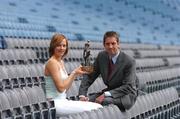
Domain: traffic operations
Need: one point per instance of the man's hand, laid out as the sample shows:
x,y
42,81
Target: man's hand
x,y
100,99
83,98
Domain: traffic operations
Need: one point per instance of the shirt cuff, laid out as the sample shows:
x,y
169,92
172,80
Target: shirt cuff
x,y
81,96
107,94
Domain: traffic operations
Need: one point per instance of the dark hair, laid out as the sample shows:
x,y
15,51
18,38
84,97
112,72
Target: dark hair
x,y
55,41
111,34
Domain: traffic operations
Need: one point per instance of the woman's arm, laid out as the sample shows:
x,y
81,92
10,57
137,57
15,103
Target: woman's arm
x,y
60,84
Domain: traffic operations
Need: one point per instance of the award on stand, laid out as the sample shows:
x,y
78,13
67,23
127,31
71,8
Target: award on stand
x,y
87,65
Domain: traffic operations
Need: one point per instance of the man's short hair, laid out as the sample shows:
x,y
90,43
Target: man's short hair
x,y
111,34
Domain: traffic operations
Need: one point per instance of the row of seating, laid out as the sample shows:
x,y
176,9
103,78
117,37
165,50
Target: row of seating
x,y
20,83
142,65
155,80
149,82
172,61
41,72
17,56
152,81
148,64
134,27
173,4
26,103
93,87
18,76
22,94
21,75
75,57
44,44
163,104
107,112
158,53
26,34
22,26
41,47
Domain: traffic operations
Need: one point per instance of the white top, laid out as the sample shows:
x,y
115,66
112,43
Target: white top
x,y
51,91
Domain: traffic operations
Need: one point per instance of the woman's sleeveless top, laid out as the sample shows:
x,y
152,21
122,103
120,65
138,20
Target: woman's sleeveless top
x,y
51,91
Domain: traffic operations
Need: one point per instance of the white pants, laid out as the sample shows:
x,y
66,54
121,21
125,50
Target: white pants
x,y
64,106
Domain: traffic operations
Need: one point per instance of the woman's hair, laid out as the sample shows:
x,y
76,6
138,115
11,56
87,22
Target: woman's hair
x,y
55,41
110,34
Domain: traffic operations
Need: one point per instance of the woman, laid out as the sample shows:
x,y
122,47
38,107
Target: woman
x,y
58,81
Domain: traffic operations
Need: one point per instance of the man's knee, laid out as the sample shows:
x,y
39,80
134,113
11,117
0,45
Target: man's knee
x,y
126,102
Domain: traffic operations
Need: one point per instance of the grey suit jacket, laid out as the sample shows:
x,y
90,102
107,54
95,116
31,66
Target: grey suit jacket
x,y
122,81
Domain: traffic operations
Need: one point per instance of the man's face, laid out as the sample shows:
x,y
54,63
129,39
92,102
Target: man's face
x,y
111,45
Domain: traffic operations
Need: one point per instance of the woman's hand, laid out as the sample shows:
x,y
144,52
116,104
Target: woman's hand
x,y
78,71
83,98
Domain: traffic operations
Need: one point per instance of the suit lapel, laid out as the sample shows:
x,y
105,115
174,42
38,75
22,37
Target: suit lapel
x,y
106,63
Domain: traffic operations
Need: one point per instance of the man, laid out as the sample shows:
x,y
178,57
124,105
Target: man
x,y
117,71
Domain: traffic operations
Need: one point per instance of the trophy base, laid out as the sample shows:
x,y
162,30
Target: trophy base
x,y
88,69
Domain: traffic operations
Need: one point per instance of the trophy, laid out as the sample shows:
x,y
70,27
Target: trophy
x,y
87,65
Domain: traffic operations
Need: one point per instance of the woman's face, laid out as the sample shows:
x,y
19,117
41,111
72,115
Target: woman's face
x,y
60,48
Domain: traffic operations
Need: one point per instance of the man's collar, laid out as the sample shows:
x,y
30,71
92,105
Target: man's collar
x,y
114,58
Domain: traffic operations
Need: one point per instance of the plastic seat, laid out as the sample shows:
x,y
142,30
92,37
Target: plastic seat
x,y
51,109
5,57
5,104
4,80
72,92
34,74
12,97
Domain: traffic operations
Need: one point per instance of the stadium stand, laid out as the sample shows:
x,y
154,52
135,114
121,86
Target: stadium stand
x,y
148,26
149,31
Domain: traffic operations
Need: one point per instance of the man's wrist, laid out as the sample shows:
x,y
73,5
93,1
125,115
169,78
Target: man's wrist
x,y
82,96
107,94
